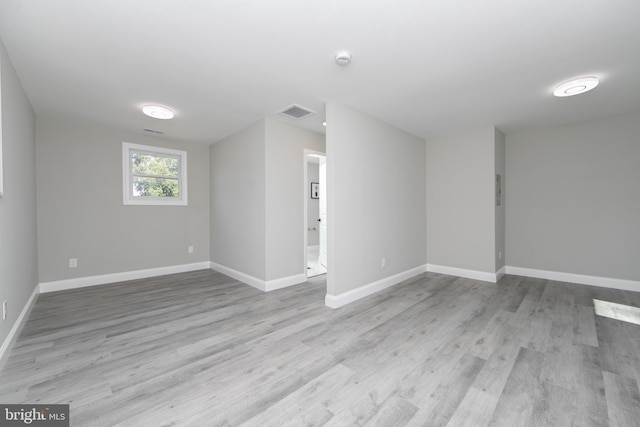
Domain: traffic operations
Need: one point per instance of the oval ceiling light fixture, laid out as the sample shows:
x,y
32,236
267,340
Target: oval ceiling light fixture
x,y
343,58
158,112
576,86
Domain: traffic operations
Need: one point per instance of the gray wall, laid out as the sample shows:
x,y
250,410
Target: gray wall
x,y
285,196
18,238
238,201
376,200
500,211
461,212
573,198
80,210
313,205
257,199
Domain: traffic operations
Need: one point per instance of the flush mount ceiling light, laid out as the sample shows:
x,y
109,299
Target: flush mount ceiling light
x,y
158,112
343,58
575,86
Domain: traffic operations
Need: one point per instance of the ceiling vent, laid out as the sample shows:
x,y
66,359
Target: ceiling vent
x,y
153,131
296,112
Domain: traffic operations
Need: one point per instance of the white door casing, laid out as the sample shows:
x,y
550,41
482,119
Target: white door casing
x,y
322,224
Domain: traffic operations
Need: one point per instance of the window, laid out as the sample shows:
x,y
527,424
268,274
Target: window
x,y
154,175
1,189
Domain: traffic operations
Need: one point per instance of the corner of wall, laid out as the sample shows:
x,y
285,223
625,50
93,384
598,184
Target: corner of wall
x,y
16,329
18,213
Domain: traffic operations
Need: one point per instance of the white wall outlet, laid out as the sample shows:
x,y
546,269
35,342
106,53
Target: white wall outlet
x,y
500,255
4,310
190,249
73,262
383,264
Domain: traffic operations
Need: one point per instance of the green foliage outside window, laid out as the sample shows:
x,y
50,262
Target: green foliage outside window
x,y
155,176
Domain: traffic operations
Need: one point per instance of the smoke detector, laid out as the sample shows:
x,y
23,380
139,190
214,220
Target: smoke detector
x,y
343,58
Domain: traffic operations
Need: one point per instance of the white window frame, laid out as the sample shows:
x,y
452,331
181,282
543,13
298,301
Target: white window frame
x,y
1,169
127,171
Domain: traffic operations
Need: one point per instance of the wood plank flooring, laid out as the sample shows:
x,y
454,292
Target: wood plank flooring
x,y
201,349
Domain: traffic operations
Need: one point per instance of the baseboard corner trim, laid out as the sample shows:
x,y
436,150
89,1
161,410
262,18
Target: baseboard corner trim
x,y
581,279
284,282
238,275
462,272
337,301
103,279
10,340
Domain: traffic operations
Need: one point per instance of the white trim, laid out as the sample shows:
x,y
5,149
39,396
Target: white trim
x,y
5,349
81,282
1,168
604,282
263,285
461,272
238,275
313,247
501,273
305,191
284,282
335,301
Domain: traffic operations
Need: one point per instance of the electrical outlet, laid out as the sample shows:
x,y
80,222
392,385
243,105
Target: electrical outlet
x,y
4,310
384,262
73,262
190,249
500,255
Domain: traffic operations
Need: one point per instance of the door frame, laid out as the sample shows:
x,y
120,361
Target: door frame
x,y
306,189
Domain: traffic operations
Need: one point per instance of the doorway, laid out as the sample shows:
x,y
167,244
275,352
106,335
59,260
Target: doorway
x,y
315,242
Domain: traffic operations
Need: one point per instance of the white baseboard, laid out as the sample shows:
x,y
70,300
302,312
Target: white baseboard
x,y
461,272
17,327
263,285
272,285
238,275
336,301
81,282
604,282
500,273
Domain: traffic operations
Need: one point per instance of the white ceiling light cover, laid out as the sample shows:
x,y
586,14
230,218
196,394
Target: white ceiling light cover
x,y
576,86
158,112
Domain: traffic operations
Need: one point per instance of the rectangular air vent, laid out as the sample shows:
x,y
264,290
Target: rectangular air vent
x,y
153,131
296,112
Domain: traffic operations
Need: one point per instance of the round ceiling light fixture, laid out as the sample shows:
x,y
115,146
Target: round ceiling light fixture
x,y
343,58
158,112
576,86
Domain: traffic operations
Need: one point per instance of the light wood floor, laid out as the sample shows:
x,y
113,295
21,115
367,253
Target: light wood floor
x,y
201,349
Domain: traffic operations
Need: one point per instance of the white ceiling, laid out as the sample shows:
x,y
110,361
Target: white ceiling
x,y
427,66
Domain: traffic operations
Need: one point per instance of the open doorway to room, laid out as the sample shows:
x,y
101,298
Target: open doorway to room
x,y
315,250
